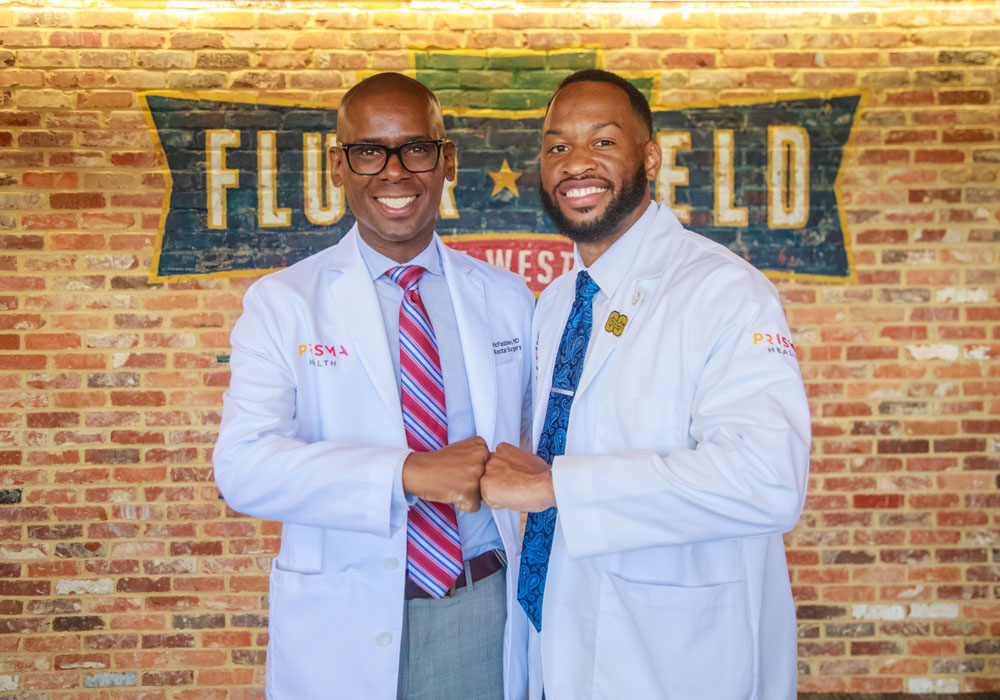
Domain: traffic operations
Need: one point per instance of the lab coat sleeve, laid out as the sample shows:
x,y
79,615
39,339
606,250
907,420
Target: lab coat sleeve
x,y
262,466
746,473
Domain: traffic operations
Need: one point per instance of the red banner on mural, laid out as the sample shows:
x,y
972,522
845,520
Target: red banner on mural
x,y
537,257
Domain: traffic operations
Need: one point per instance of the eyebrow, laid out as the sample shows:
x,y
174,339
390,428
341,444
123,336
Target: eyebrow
x,y
593,127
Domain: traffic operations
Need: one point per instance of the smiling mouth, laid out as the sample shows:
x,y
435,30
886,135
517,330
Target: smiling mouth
x,y
395,202
578,192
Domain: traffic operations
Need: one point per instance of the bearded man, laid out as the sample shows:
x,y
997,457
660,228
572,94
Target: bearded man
x,y
671,432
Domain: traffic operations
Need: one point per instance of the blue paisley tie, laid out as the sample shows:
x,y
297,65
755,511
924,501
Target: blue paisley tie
x,y
569,364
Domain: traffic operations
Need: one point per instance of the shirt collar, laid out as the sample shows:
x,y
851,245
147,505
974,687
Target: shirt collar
x,y
610,269
429,259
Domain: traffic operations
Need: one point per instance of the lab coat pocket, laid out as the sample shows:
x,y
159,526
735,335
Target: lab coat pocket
x,y
301,549
665,642
306,628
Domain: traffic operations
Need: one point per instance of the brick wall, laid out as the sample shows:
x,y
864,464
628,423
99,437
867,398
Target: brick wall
x,y
119,566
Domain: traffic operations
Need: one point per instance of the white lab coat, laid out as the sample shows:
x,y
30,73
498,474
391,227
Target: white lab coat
x,y
686,458
313,437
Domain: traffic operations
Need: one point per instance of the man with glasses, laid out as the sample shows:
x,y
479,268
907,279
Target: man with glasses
x,y
364,401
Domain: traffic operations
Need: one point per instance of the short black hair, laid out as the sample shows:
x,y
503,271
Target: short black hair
x,y
640,105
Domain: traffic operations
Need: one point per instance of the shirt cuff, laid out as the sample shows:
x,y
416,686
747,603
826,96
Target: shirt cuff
x,y
398,495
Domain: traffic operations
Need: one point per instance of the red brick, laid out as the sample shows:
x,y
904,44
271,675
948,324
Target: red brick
x,y
29,242
25,588
690,60
967,135
53,569
22,362
54,532
171,456
22,625
78,241
951,195
11,283
135,160
980,313
81,476
961,518
927,647
959,97
104,100
878,500
50,181
153,200
44,139
138,398
876,648
140,475
984,573
51,341
134,437
77,200
960,445
872,352
939,156
905,332
168,678
196,549
165,641
876,237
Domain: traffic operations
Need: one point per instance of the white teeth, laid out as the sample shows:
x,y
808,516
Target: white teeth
x,y
395,202
584,191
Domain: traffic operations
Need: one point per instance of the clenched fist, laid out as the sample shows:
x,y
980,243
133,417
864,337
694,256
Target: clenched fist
x,y
448,475
518,480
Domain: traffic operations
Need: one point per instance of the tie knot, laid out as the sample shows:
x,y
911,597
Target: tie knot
x,y
406,276
586,287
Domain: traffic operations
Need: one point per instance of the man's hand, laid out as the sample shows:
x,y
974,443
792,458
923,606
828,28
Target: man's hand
x,y
517,480
448,475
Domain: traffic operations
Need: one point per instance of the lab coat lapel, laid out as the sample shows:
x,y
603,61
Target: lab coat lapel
x,y
355,300
628,300
468,298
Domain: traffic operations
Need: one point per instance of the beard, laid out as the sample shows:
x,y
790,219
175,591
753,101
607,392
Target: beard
x,y
623,203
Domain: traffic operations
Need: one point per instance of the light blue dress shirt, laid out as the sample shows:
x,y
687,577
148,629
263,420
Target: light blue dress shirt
x,y
477,530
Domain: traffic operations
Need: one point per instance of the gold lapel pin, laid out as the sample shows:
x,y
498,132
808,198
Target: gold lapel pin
x,y
616,323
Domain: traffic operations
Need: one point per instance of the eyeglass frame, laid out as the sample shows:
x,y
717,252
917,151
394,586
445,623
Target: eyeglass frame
x,y
390,152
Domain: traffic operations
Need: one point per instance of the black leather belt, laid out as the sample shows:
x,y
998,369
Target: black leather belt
x,y
480,567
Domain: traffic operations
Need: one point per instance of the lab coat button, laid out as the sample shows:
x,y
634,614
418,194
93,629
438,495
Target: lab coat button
x,y
383,639
390,563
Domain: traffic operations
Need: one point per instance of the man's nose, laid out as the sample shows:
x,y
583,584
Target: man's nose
x,y
579,160
394,169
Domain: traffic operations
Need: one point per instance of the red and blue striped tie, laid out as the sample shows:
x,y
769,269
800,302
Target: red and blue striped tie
x,y
433,548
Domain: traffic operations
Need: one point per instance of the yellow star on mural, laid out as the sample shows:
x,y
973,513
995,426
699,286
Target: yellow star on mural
x,y
505,179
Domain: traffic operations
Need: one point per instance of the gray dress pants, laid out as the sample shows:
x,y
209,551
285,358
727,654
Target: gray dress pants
x,y
452,649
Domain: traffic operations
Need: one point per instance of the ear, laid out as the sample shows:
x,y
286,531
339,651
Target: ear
x,y
449,154
338,165
653,158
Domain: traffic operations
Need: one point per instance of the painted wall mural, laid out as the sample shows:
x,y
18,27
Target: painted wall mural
x,y
248,188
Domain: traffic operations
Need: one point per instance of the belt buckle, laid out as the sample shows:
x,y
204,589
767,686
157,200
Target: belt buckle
x,y
451,590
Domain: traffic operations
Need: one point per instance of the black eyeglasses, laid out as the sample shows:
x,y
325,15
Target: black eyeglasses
x,y
371,158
